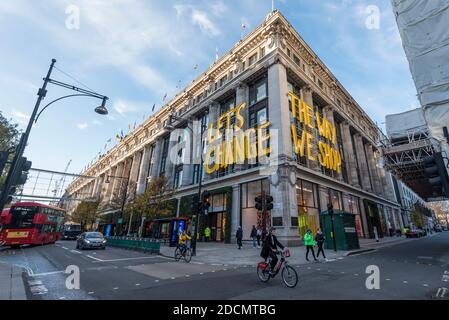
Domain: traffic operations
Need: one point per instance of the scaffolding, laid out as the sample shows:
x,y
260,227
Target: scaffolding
x,y
404,158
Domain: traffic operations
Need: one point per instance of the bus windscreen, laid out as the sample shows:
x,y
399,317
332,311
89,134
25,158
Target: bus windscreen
x,y
22,217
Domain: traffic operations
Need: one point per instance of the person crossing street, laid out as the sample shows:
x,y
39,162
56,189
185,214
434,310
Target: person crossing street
x,y
319,238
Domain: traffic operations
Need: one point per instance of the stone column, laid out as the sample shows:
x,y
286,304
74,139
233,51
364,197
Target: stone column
x,y
172,157
283,190
373,169
134,173
361,159
188,164
279,113
143,170
350,161
363,215
116,182
156,159
214,112
235,214
241,96
107,187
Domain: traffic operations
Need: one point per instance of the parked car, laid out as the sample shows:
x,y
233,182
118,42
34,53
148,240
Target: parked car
x,y
438,228
91,240
415,233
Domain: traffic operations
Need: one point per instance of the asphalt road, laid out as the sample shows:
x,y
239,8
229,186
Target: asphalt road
x,y
417,269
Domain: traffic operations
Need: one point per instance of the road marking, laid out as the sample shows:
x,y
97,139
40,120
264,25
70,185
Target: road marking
x,y
123,259
405,281
65,248
156,280
387,279
342,272
137,284
46,273
213,271
441,293
187,276
218,264
95,258
225,269
116,288
173,278
318,269
201,273
76,251
425,285
91,292
34,282
424,257
356,274
61,298
38,290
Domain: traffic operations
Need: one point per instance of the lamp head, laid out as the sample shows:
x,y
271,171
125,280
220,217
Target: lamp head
x,y
102,109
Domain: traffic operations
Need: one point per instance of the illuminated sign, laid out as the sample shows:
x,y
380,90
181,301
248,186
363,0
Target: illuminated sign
x,y
327,154
228,143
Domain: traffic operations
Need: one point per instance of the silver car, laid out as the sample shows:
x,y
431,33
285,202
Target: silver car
x,y
91,240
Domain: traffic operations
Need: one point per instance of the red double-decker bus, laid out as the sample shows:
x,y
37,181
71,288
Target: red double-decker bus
x,y
31,223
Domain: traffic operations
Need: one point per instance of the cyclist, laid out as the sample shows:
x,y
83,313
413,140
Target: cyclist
x,y
183,237
270,249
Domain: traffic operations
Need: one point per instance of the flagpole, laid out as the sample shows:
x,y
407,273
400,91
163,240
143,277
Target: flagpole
x,y
272,5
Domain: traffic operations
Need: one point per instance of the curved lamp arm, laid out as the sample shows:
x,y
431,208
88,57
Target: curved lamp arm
x,y
68,96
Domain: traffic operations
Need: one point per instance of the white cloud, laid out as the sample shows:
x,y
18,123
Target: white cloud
x,y
123,106
20,117
201,18
82,126
96,123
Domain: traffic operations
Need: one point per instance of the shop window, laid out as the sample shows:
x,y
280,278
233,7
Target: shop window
x,y
296,60
277,221
294,221
308,213
262,52
249,215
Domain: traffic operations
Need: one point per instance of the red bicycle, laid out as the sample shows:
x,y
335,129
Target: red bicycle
x,y
289,274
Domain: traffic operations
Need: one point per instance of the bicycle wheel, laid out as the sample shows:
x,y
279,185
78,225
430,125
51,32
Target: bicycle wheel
x,y
177,254
289,276
188,255
263,274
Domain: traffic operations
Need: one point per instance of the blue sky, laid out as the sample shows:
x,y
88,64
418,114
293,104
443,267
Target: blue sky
x,y
136,51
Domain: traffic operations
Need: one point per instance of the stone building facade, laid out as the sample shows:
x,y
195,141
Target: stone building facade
x,y
306,142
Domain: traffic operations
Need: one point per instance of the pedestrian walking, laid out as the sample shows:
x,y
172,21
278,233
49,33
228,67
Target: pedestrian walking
x,y
239,236
207,232
309,243
254,236
319,238
259,236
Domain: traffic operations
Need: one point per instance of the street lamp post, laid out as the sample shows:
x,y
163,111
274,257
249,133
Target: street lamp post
x,y
122,208
42,92
200,180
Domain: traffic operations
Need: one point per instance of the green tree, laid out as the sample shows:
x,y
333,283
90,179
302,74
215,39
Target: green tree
x,y
9,138
86,213
154,202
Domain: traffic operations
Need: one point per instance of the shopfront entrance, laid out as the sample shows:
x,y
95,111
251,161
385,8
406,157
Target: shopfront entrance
x,y
215,221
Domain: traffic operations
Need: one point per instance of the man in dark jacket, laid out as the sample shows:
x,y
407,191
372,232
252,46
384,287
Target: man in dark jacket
x,y
270,248
319,238
239,236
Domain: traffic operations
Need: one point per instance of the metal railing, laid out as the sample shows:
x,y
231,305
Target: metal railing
x,y
147,245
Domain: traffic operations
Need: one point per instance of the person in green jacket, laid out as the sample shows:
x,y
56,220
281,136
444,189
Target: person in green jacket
x,y
309,242
207,234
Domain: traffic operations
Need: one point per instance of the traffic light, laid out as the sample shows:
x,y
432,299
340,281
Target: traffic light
x,y
436,173
330,209
268,202
206,202
21,175
259,203
3,159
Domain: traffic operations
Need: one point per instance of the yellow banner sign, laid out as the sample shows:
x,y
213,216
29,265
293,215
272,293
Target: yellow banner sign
x,y
17,234
327,152
228,143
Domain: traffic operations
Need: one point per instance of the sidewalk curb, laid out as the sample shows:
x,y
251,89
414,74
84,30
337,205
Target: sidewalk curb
x,y
351,253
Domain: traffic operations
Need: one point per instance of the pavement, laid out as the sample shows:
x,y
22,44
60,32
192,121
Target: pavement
x,y
406,269
11,283
229,254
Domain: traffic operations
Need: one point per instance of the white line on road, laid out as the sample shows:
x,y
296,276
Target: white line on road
x,y
46,273
405,282
156,280
137,284
94,258
116,288
65,248
76,251
425,285
91,292
387,279
123,259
